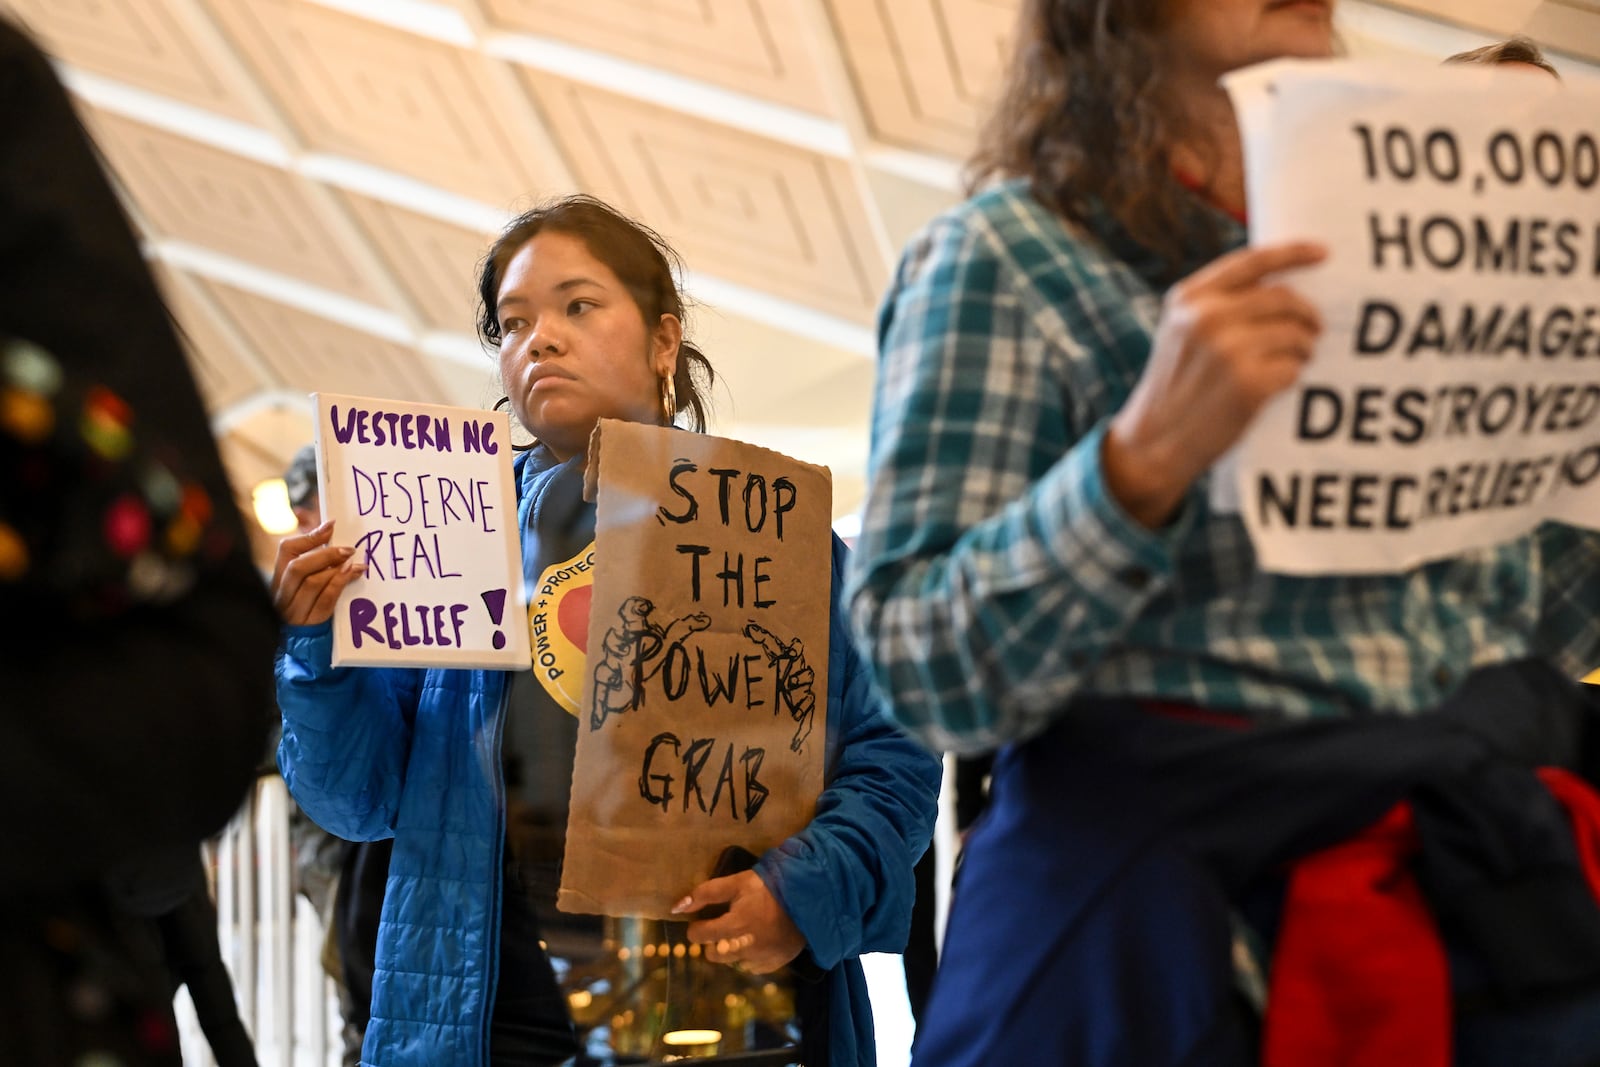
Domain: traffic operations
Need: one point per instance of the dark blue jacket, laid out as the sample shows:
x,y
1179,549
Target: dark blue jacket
x,y
1095,918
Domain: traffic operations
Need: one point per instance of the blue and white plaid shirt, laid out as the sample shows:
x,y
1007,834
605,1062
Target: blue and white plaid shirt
x,y
995,578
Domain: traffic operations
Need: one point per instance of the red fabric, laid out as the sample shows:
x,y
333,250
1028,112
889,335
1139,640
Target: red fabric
x,y
1195,186
1359,975
1582,805
1225,720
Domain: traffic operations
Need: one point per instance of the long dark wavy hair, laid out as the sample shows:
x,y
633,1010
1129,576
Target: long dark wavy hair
x,y
639,257
1087,117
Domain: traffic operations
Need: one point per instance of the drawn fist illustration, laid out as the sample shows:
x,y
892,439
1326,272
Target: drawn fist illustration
x,y
795,679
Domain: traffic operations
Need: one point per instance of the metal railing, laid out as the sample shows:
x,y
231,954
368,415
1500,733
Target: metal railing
x,y
271,939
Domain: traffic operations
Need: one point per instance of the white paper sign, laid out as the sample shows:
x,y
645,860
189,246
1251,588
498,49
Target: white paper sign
x,y
425,494
1454,400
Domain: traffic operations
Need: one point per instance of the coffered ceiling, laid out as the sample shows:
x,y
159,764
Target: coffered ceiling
x,y
316,180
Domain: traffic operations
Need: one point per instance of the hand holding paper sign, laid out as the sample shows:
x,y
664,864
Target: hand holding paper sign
x,y
710,625
1452,402
310,574
1229,340
754,933
425,494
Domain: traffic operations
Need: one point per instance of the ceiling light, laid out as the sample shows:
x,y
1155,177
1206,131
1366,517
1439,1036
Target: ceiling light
x,y
270,498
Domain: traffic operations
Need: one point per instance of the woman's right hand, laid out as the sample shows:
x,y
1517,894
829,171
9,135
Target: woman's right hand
x,y
310,574
1227,342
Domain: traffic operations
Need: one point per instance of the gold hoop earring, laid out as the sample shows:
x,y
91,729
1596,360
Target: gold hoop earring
x,y
669,400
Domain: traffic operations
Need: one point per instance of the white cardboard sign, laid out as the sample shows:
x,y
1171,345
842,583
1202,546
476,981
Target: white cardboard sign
x,y
1453,402
425,494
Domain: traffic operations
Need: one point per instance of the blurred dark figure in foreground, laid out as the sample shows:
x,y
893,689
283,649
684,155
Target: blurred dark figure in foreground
x,y
137,670
172,920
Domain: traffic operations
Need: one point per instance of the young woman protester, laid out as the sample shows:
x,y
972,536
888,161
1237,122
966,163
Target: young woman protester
x,y
583,307
1202,767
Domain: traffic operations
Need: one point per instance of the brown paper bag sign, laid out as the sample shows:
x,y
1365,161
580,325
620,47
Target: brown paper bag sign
x,y
703,718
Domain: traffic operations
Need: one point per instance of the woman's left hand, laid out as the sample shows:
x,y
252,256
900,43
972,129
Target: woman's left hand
x,y
755,935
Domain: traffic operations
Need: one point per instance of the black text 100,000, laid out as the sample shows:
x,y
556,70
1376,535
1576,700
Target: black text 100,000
x,y
1511,157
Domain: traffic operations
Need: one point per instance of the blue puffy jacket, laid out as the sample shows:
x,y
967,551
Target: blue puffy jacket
x,y
414,754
